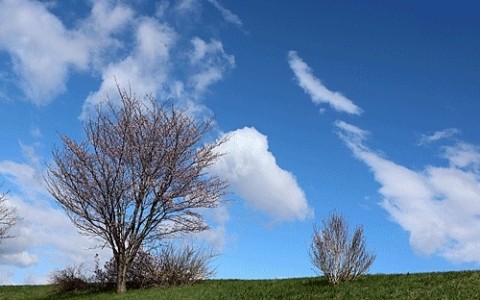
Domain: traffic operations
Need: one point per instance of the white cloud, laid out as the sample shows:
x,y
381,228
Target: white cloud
x,y
41,226
254,175
193,7
352,134
107,18
316,90
19,259
43,234
209,62
162,8
216,235
36,132
44,52
226,14
438,206
149,68
154,40
464,156
42,49
27,177
187,6
438,135
146,69
23,176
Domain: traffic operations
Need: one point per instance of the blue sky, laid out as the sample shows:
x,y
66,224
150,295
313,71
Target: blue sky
x,y
365,108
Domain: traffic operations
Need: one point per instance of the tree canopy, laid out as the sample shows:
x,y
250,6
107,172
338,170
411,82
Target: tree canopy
x,y
139,177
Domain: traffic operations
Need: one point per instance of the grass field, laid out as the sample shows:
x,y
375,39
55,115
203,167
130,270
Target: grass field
x,y
450,285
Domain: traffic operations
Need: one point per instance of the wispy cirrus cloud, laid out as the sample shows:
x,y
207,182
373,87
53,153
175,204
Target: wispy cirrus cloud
x,y
438,206
209,63
253,174
317,91
187,6
227,14
438,135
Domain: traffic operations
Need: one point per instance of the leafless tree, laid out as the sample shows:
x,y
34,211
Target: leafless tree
x,y
139,177
336,255
7,218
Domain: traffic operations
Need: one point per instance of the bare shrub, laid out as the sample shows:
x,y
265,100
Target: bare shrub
x,y
184,266
340,258
70,279
170,266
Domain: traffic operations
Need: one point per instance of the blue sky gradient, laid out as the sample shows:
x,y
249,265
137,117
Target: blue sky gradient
x,y
370,109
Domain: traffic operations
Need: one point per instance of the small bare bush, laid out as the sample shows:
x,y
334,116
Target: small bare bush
x,y
340,258
70,279
170,266
184,266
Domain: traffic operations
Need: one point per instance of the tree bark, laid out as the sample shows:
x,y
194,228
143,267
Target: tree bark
x,y
121,273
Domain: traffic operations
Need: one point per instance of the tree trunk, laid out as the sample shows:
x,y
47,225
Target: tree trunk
x,y
121,273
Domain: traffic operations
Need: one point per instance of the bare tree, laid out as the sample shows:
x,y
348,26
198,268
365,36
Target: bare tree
x,y
338,257
7,218
139,177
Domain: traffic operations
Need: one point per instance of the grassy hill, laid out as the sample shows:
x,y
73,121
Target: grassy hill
x,y
450,285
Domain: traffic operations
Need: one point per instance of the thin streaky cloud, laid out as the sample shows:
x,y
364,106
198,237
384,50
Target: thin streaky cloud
x,y
318,92
186,6
227,14
438,135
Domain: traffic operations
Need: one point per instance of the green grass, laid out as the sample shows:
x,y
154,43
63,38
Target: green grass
x,y
450,285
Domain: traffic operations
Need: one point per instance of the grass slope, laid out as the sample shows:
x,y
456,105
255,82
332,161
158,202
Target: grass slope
x,y
450,285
